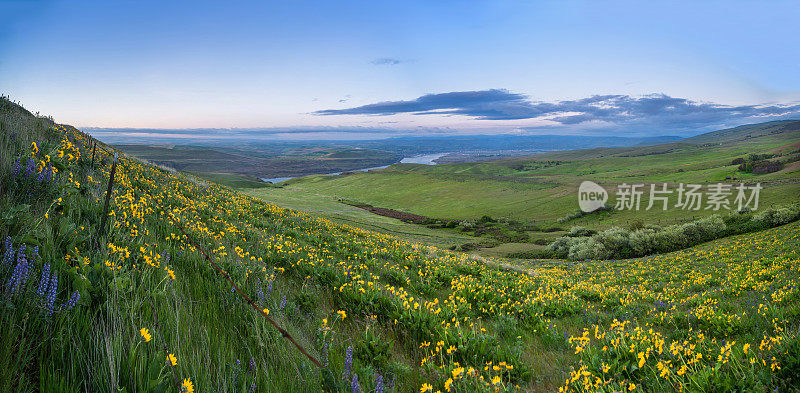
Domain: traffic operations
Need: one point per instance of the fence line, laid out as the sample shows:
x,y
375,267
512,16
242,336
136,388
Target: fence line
x,y
227,277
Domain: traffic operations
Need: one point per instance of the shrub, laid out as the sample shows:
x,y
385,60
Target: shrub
x,y
615,241
775,217
767,167
486,219
578,231
560,247
580,213
587,248
636,225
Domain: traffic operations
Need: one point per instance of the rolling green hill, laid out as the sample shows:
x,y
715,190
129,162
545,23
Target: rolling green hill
x,y
542,189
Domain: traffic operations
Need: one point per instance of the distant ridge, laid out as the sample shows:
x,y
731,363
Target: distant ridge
x,y
789,127
781,129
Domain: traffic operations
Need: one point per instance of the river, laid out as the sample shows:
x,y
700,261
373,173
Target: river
x,y
425,159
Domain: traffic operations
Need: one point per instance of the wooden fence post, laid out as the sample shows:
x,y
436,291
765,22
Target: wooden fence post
x,y
102,228
94,146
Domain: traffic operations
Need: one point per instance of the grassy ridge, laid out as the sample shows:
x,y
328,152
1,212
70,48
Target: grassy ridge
x,y
376,310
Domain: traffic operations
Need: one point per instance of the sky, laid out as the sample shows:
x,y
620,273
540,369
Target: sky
x,y
310,69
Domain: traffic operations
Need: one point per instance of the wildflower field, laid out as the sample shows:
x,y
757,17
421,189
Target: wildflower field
x,y
128,301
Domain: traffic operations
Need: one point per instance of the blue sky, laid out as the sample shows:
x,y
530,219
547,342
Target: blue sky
x,y
412,67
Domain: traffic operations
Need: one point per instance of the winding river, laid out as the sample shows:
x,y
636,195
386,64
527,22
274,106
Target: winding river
x,y
425,159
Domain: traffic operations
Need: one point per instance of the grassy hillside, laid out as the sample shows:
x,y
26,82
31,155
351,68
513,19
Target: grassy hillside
x,y
136,307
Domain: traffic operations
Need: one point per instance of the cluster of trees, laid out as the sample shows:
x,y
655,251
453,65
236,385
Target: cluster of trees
x,y
758,164
618,243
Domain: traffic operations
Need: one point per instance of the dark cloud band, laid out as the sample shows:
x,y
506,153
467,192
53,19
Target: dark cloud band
x,y
499,104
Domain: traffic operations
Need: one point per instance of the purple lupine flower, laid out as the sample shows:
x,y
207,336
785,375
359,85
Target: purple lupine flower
x,y
72,302
269,287
16,277
390,385
44,281
30,168
260,293
26,267
48,173
378,383
354,386
165,256
16,167
325,348
40,177
252,365
8,255
252,387
283,302
51,294
348,363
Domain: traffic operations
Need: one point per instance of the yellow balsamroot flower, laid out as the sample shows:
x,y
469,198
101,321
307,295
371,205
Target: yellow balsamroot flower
x,y
187,386
172,360
426,387
496,379
745,348
342,314
145,334
266,311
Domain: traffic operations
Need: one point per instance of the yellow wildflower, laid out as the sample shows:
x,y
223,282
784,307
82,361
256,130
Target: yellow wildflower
x,y
145,334
187,386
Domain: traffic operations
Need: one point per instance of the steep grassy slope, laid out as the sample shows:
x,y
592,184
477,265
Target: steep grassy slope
x,y
380,314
